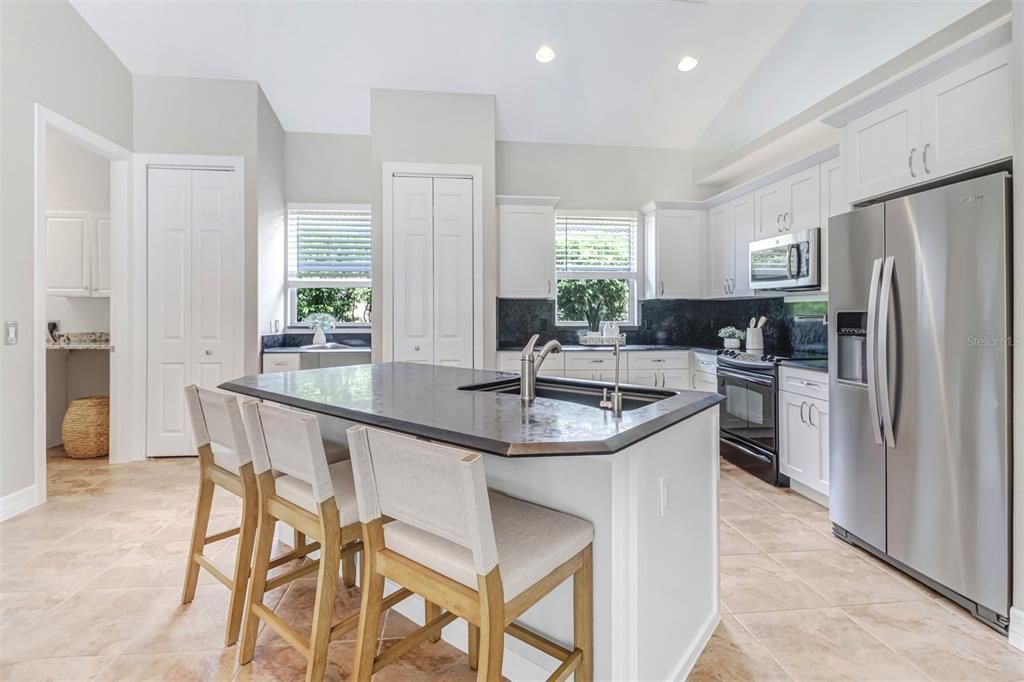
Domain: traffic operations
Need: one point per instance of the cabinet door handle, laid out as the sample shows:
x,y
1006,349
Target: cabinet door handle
x,y
910,162
657,359
803,404
549,287
778,223
209,352
786,223
662,288
810,420
924,157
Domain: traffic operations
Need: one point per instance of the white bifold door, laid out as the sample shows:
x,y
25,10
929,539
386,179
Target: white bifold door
x,y
194,295
433,270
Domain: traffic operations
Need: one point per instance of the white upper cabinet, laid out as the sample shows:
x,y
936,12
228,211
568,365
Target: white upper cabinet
x,y
721,253
77,254
967,116
959,121
526,247
675,252
791,204
742,211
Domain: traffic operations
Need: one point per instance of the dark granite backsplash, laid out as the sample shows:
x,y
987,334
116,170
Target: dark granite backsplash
x,y
679,322
295,339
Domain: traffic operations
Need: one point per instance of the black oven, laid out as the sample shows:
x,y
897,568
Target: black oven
x,y
748,419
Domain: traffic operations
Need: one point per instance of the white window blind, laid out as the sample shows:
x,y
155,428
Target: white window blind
x,y
595,244
329,247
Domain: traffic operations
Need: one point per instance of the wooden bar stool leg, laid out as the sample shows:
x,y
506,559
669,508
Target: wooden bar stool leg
x,y
260,569
492,627
583,615
298,539
243,557
474,647
372,599
430,612
200,526
326,589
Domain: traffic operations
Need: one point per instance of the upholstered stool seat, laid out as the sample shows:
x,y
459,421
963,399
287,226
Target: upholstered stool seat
x,y
299,492
532,541
226,458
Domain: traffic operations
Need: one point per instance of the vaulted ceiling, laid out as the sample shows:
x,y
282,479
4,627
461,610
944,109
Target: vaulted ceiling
x,y
614,79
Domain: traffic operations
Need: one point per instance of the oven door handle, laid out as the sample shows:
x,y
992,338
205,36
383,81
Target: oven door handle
x,y
746,377
748,450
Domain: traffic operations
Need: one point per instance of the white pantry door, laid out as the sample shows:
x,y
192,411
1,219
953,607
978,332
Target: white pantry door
x,y
413,211
194,225
453,272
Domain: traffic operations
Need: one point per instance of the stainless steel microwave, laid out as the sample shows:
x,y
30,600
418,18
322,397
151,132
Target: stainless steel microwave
x,y
789,261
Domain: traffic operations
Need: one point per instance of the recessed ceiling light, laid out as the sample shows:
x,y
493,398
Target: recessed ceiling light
x,y
545,54
688,63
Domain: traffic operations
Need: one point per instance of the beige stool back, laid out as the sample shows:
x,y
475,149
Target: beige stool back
x,y
217,421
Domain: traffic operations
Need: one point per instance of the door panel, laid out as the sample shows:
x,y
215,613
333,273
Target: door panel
x,y
170,321
803,201
876,148
769,204
948,474
67,254
453,262
720,256
414,269
743,233
676,378
857,462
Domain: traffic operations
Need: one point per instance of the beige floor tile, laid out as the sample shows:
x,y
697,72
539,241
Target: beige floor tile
x,y
90,623
19,610
149,565
60,567
285,664
69,669
782,533
794,502
844,578
198,666
745,503
939,642
731,541
197,626
755,582
826,644
817,519
733,655
296,607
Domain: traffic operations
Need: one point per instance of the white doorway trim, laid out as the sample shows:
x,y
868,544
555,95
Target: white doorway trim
x,y
140,255
121,448
386,307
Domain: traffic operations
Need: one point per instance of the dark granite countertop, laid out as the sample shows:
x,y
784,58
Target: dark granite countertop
x,y
579,347
425,400
299,349
816,364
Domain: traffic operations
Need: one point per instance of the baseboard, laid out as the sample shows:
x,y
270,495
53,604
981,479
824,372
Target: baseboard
x,y
19,501
696,647
514,666
1016,634
809,493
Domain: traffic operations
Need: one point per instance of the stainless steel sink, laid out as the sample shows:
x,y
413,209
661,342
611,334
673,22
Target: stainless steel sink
x,y
330,345
580,392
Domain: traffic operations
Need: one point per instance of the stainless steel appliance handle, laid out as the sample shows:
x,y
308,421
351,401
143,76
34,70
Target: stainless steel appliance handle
x,y
876,428
746,377
883,347
748,451
789,261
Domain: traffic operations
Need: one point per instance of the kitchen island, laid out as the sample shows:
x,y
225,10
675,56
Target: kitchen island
x,y
647,480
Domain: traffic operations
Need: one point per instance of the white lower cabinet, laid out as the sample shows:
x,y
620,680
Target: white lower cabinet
x,y
281,362
803,435
702,381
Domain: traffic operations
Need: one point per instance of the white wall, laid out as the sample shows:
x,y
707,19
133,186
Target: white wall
x,y
597,177
270,180
436,127
323,168
51,56
209,116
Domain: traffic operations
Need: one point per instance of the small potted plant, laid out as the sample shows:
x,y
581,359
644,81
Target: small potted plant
x,y
731,336
321,323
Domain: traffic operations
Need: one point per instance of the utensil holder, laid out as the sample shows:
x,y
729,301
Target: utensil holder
x,y
755,339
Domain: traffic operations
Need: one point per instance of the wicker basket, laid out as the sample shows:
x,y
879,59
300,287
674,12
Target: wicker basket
x,y
86,428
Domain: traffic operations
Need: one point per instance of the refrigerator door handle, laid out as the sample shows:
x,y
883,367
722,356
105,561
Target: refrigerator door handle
x,y
872,349
883,347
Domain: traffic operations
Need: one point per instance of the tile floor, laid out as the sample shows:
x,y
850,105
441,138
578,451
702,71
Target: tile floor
x,y
90,591
800,604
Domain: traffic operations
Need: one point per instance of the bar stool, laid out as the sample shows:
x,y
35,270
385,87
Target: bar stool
x,y
296,485
225,461
475,553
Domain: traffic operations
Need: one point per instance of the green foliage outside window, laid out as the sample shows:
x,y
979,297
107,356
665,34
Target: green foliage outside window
x,y
346,305
593,301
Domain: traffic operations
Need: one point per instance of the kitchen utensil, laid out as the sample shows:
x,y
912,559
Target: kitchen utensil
x,y
760,323
752,323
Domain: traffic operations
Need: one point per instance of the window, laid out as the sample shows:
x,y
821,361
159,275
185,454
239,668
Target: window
x,y
596,267
329,250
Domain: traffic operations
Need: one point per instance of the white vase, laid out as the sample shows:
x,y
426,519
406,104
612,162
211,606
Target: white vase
x,y
319,337
731,343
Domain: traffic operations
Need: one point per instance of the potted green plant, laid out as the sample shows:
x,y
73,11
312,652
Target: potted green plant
x,y
321,323
592,300
731,336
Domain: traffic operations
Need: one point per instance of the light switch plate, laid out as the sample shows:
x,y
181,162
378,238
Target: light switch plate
x,y
10,333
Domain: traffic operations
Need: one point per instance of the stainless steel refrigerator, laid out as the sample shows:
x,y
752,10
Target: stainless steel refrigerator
x,y
919,336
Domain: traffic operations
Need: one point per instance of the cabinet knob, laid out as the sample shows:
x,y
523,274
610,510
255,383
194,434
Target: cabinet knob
x,y
416,347
209,352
